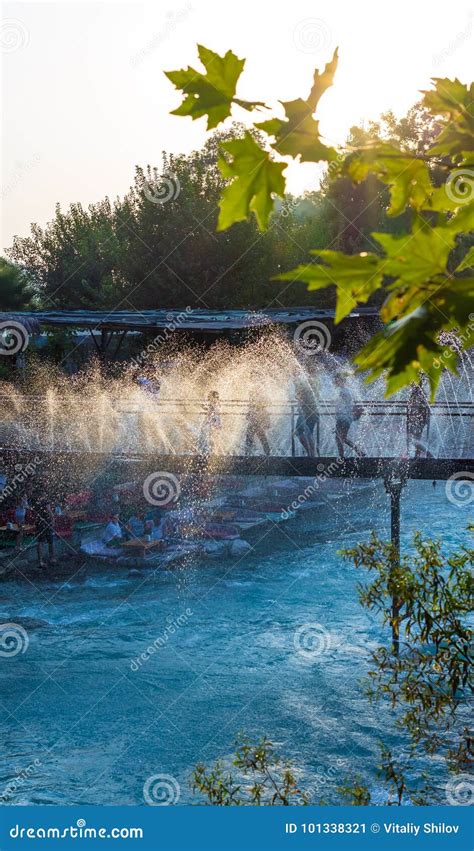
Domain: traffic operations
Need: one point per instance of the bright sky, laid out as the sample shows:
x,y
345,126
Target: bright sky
x,y
85,99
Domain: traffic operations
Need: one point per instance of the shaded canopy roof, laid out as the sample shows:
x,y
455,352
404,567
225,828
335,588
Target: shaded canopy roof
x,y
186,319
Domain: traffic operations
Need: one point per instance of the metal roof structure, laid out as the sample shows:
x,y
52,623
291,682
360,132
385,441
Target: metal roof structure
x,y
28,320
186,319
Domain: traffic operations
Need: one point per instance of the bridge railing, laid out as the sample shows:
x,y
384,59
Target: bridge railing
x,y
174,425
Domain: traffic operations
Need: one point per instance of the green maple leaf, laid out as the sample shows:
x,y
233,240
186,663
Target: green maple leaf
x,y
468,261
256,179
449,97
416,257
212,93
412,343
407,177
462,221
355,276
455,101
323,81
298,135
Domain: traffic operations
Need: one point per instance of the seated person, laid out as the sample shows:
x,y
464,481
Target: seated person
x,y
113,534
135,527
160,529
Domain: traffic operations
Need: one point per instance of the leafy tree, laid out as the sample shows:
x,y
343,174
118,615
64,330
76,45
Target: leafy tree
x,y
158,246
426,295
72,260
16,291
430,680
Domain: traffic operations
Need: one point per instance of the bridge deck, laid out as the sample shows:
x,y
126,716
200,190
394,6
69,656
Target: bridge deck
x,y
323,467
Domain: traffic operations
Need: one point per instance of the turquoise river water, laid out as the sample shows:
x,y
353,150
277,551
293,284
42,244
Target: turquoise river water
x,y
83,723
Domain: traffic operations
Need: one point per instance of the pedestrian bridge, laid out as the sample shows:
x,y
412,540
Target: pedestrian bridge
x,y
171,427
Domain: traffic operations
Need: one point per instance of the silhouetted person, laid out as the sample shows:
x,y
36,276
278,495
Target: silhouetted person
x,y
306,395
209,438
258,423
44,518
418,417
345,416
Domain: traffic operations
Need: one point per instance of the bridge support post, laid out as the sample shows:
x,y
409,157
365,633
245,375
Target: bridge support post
x,y
394,485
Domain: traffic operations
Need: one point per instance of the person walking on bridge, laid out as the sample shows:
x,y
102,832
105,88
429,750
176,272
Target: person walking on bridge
x,y
346,414
418,418
258,420
307,421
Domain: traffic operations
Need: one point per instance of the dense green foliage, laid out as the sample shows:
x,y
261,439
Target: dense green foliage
x,y
431,186
428,684
16,292
134,253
